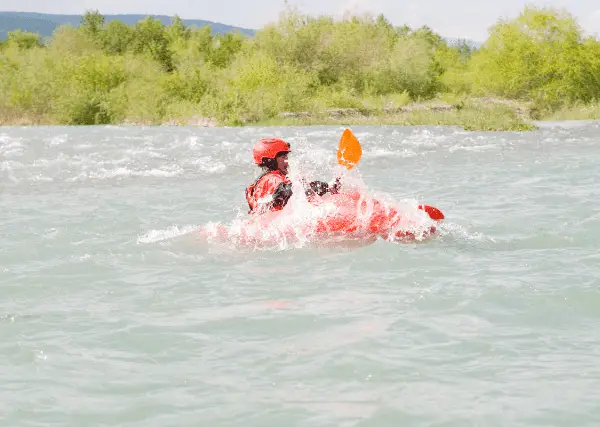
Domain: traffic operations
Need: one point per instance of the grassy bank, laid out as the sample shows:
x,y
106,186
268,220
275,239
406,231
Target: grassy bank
x,y
300,70
470,114
575,112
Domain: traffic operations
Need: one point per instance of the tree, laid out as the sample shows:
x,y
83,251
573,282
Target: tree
x,y
178,31
531,57
150,39
117,37
24,39
225,49
92,24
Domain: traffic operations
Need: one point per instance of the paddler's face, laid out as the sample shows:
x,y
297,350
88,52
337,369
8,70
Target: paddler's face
x,y
282,163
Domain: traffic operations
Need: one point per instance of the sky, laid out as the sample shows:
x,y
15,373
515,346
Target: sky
x,y
455,19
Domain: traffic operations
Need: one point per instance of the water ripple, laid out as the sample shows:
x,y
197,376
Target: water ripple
x,y
114,312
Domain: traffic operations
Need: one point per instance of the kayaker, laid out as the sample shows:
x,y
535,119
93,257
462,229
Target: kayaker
x,y
272,190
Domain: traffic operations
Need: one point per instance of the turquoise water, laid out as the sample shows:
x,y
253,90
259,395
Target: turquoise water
x,y
114,313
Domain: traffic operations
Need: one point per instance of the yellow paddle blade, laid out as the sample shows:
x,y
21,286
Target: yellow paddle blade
x,y
349,151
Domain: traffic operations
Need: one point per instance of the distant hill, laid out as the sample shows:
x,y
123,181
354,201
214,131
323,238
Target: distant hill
x,y
45,23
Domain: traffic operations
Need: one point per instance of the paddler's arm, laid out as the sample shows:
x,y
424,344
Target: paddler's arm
x,y
272,192
282,194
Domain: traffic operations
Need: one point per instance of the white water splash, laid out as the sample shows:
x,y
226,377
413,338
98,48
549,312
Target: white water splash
x,y
154,236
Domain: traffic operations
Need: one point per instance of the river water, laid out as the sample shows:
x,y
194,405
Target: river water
x,y
114,313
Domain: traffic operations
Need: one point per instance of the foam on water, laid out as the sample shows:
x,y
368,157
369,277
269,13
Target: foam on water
x,y
154,236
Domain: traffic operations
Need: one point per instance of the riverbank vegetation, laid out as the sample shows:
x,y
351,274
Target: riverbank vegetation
x,y
301,70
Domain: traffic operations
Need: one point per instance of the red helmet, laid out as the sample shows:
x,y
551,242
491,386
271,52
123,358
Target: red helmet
x,y
268,148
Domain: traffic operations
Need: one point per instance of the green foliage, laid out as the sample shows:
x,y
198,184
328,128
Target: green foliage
x,y
150,40
177,31
111,72
141,97
256,87
92,24
539,56
23,39
69,41
189,82
116,38
224,49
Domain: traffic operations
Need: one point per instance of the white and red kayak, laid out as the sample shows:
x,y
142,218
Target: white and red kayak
x,y
348,214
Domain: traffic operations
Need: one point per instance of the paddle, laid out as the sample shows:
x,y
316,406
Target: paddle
x,y
349,153
349,150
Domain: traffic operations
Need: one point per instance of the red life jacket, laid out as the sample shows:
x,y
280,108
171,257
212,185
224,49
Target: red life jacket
x,y
270,192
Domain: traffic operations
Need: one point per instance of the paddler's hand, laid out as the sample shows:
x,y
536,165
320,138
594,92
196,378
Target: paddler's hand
x,y
319,187
335,188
